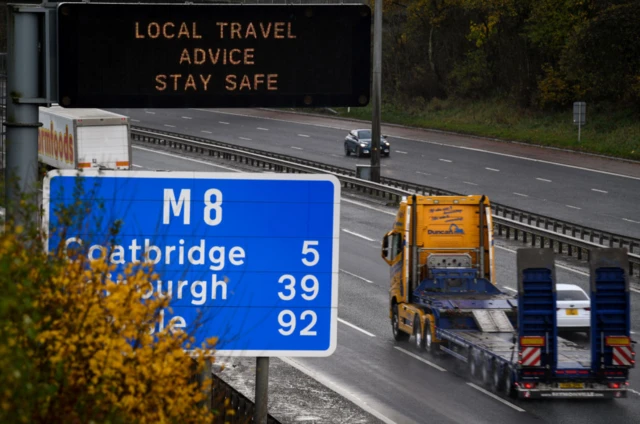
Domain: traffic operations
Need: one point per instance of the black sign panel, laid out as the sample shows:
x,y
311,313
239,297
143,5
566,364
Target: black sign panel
x,y
141,55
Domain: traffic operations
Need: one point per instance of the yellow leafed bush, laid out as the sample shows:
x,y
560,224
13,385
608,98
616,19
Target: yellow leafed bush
x,y
76,346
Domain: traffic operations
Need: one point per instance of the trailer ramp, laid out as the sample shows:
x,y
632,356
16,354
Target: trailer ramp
x,y
492,321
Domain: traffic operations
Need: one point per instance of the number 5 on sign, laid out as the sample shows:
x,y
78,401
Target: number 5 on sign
x,y
307,249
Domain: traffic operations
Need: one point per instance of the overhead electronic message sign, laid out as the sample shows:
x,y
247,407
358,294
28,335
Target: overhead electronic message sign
x,y
142,55
249,258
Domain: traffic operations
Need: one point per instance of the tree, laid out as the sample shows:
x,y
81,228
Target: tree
x,y
590,50
604,57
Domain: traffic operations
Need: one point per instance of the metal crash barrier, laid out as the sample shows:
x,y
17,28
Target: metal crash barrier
x,y
230,406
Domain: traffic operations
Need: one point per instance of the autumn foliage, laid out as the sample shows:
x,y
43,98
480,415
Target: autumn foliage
x,y
76,346
542,53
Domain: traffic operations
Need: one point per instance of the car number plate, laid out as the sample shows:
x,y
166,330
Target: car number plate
x,y
572,312
571,385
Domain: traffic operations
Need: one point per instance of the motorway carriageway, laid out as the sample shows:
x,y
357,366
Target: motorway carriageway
x,y
593,191
393,381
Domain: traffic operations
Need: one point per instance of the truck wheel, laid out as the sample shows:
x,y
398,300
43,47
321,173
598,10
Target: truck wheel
x,y
430,346
398,335
418,332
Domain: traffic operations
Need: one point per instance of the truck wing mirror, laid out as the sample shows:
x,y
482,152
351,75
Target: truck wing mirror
x,y
386,248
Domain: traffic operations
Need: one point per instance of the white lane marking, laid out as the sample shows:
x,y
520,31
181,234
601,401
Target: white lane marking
x,y
186,158
223,123
356,327
543,179
599,191
633,391
422,173
297,148
573,270
573,207
244,138
171,126
413,355
135,120
357,235
499,399
303,135
262,129
187,117
338,389
150,113
432,142
631,220
362,205
356,276
509,288
492,169
137,166
520,194
206,132
470,183
401,152
336,156
446,160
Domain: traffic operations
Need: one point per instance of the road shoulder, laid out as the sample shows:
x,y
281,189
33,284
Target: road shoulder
x,y
294,397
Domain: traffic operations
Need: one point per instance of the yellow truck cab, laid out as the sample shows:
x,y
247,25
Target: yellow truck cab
x,y
450,233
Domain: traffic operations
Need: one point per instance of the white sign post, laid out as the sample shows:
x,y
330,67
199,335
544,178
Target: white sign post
x,y
579,115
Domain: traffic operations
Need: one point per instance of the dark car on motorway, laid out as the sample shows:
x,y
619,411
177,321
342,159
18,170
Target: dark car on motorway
x,y
358,142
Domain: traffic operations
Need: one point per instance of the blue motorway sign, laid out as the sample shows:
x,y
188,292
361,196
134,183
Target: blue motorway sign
x,y
249,258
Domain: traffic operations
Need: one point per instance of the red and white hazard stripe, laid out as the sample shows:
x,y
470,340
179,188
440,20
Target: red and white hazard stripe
x,y
622,355
531,356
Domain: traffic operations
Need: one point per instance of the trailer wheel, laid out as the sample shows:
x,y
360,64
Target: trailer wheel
x,y
398,335
497,382
418,333
485,369
508,382
472,363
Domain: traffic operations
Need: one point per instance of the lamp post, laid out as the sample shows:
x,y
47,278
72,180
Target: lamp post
x,y
375,92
